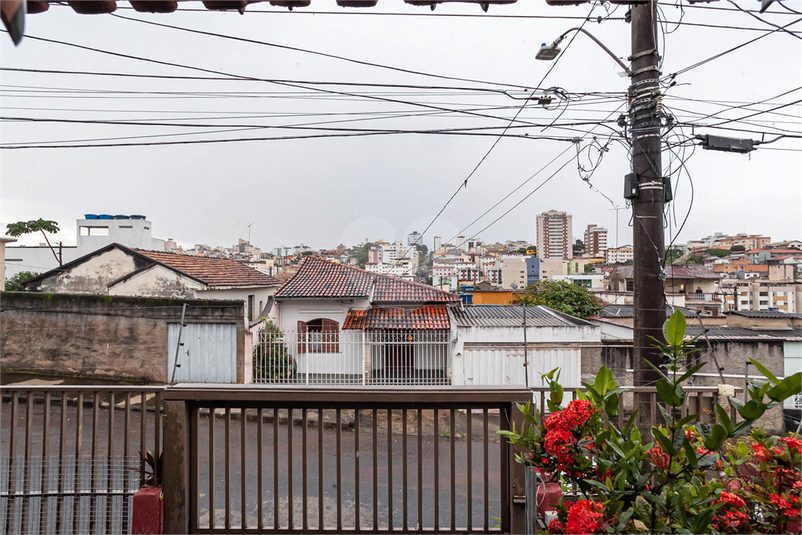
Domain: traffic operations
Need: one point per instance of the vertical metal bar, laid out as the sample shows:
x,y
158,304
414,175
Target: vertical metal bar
x,y
653,407
275,471
339,471
420,471
453,473
194,470
157,436
390,469
212,458
469,465
375,472
12,468
436,470
486,483
44,488
320,468
260,522
93,500
357,507
110,457
243,470
405,523
290,455
304,468
77,475
126,452
62,452
504,467
143,405
27,452
227,442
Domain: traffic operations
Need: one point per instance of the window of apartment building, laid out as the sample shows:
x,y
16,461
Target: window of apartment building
x,y
630,286
764,294
766,302
319,336
94,231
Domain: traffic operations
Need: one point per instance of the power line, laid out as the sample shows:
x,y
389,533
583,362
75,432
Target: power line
x,y
764,21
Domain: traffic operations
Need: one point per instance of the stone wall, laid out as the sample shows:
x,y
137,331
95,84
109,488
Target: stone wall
x,y
100,336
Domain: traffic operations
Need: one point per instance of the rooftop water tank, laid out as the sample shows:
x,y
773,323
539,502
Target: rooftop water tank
x,y
138,217
90,216
118,216
105,216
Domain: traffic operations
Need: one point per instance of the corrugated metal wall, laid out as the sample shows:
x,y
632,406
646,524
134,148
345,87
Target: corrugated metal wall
x,y
209,353
505,366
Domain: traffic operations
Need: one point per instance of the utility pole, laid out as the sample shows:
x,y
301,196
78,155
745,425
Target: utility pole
x,y
647,190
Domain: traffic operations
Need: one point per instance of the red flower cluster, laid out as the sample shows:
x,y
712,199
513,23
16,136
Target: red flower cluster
x,y
793,443
728,519
659,459
786,508
761,453
556,527
560,425
584,517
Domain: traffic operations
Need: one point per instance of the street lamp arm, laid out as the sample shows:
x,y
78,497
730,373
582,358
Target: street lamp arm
x,y
609,52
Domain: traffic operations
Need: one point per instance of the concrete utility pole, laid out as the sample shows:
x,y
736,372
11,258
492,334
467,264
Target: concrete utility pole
x,y
647,190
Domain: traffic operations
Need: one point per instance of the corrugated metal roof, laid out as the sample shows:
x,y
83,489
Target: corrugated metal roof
x,y
626,311
512,316
726,332
773,314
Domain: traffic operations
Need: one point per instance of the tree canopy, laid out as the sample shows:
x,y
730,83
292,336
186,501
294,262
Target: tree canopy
x,y
35,225
16,283
737,249
563,296
718,252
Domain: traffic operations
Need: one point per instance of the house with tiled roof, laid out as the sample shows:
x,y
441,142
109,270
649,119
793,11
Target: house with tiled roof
x,y
342,321
120,270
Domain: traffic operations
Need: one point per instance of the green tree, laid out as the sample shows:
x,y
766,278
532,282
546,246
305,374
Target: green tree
x,y
362,254
563,296
737,249
718,252
16,283
589,268
695,259
579,246
38,225
672,255
522,250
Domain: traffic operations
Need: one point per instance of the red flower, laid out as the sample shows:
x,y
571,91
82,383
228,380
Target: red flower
x,y
583,517
690,433
760,452
558,443
730,499
555,526
793,443
731,522
577,413
659,459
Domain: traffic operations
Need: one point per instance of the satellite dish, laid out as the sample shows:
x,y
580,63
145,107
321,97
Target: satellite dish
x,y
514,285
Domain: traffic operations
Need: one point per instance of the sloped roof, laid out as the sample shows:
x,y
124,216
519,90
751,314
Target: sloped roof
x,y
675,272
726,332
423,318
214,272
774,314
321,278
512,316
627,311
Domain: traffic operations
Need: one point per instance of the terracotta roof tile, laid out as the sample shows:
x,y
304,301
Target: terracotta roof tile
x,y
212,271
424,318
322,278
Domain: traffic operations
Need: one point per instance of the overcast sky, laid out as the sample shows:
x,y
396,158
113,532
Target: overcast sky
x,y
329,190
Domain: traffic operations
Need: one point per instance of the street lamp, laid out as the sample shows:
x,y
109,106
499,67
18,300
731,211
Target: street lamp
x,y
550,52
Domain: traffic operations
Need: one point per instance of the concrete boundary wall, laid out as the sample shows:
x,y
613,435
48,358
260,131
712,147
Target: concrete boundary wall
x,y
102,336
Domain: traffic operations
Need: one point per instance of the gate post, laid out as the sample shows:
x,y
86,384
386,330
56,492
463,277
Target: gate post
x,y
175,474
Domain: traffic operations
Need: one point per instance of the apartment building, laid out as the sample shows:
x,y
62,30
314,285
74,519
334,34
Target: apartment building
x,y
619,255
595,239
760,294
554,235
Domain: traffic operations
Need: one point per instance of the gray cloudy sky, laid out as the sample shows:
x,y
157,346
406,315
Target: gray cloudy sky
x,y
344,189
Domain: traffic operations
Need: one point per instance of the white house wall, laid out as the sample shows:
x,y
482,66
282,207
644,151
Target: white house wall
x,y
91,276
157,281
260,295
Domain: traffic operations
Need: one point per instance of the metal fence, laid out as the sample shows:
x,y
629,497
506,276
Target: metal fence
x,y
70,456
353,357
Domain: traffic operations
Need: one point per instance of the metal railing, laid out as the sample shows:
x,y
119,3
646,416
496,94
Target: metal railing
x,y
353,357
342,459
70,456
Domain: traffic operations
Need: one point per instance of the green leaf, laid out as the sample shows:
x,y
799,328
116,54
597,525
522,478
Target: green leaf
x,y
623,519
678,438
691,371
597,484
742,449
644,510
682,421
665,443
752,410
742,428
702,521
717,436
630,422
611,405
723,418
556,392
668,393
634,436
788,387
703,429
616,449
603,377
736,402
674,329
655,368
770,376
690,453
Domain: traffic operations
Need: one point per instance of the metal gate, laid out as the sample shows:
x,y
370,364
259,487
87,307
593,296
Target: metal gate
x,y
505,366
207,354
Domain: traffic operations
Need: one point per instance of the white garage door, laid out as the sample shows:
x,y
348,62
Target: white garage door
x,y
209,353
505,366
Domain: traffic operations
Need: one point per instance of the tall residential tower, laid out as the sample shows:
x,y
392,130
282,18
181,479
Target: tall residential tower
x,y
554,235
